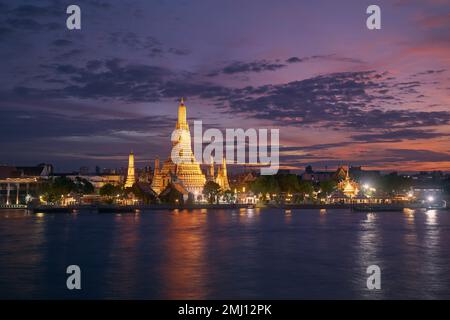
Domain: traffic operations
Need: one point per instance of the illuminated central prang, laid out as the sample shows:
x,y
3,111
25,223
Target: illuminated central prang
x,y
181,168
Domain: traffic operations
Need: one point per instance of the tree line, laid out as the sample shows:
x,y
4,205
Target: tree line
x,y
267,187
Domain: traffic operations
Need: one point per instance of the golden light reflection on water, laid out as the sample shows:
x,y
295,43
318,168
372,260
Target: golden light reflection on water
x,y
185,266
246,216
178,264
410,237
322,216
409,215
186,270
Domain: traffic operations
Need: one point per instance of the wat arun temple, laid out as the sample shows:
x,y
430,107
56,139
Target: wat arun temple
x,y
185,174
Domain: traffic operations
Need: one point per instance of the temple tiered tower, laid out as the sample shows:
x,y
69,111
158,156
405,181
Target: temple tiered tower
x,y
131,179
222,176
211,175
181,167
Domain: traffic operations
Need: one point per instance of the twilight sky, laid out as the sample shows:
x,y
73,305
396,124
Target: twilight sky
x,y
339,93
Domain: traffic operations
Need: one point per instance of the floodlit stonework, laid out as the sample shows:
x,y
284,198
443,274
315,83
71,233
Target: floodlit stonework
x,y
185,169
131,179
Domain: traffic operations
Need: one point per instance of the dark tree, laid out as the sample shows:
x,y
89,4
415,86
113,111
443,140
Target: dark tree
x,y
394,184
83,186
211,190
327,187
306,188
288,183
265,184
110,190
55,189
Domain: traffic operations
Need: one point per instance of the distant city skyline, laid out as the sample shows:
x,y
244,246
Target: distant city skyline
x,y
340,93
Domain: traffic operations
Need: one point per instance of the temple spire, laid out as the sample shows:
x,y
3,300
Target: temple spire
x,y
211,168
130,175
224,166
182,121
222,176
156,170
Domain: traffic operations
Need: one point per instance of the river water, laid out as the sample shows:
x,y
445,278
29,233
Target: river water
x,y
226,254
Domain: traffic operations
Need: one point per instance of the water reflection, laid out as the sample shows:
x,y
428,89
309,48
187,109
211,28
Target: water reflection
x,y
322,216
288,215
248,253
123,255
370,237
22,261
409,215
431,217
370,218
247,216
410,236
432,262
185,268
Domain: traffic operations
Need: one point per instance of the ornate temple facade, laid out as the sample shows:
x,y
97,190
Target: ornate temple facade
x,y
181,168
131,178
222,177
348,187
